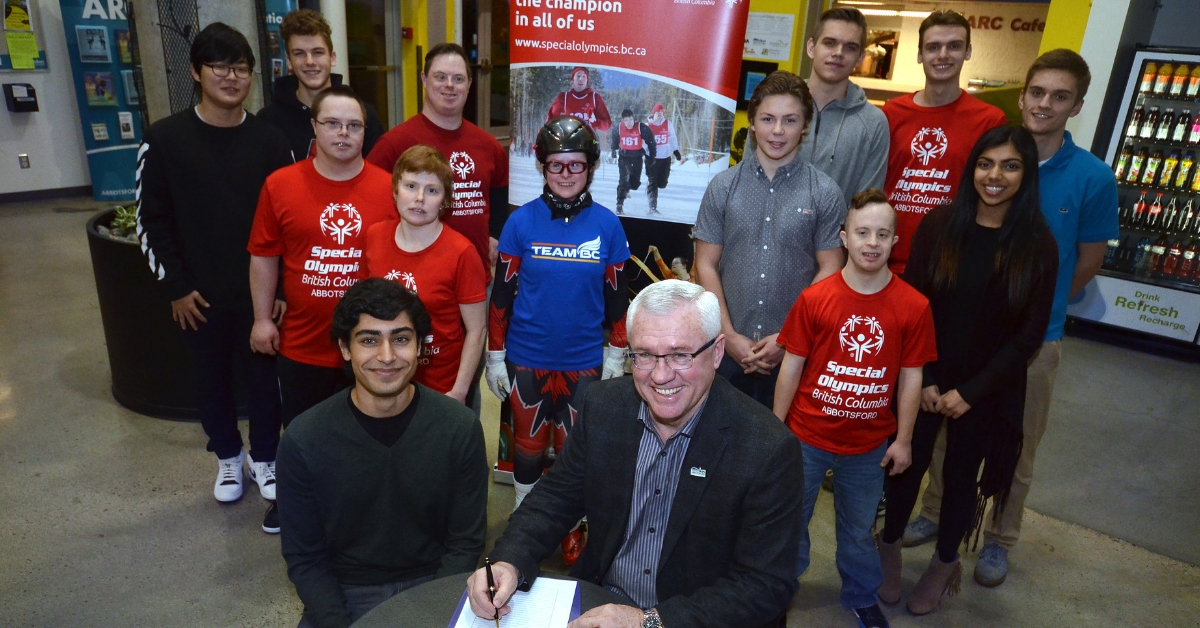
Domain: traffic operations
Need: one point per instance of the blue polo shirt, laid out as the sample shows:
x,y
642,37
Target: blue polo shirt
x,y
1079,201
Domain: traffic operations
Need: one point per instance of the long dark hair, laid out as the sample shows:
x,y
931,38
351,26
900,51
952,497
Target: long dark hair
x,y
1017,252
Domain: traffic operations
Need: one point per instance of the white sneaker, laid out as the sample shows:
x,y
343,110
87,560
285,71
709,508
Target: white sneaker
x,y
229,478
264,474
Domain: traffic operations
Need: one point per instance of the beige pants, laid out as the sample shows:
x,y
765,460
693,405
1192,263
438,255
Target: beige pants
x,y
1039,385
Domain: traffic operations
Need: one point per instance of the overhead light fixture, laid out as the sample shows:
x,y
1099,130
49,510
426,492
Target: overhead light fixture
x,y
886,13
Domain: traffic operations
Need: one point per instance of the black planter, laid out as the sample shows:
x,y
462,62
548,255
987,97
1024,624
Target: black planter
x,y
151,370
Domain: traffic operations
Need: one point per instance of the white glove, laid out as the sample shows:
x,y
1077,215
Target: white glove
x,y
496,373
614,361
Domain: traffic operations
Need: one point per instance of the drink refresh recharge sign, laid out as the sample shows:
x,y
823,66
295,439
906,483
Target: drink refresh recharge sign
x,y
1140,307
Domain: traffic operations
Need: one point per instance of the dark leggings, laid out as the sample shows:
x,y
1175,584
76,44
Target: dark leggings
x,y
965,444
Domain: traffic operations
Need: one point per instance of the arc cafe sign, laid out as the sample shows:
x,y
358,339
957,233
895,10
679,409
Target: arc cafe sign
x,y
998,23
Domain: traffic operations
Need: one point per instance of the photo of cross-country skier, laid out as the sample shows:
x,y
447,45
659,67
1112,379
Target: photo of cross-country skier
x,y
658,156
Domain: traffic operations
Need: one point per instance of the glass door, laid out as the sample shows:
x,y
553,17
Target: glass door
x,y
486,39
372,36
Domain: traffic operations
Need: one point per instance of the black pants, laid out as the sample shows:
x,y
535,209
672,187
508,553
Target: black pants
x,y
658,172
304,386
758,387
966,439
630,169
215,348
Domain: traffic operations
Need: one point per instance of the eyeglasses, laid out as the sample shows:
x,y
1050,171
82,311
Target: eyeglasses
x,y
574,167
336,126
221,70
677,361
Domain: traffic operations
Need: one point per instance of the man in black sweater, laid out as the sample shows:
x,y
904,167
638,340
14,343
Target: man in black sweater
x,y
383,486
308,44
198,179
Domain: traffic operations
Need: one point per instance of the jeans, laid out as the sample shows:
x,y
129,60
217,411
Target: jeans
x,y
214,349
758,387
361,598
857,486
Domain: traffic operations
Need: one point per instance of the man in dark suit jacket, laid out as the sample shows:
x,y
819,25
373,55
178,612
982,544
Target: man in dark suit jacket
x,y
691,489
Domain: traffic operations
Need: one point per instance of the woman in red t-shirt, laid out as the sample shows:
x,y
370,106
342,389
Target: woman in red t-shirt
x,y
987,262
439,265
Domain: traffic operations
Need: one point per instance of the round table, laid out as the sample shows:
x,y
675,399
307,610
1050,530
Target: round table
x,y
432,604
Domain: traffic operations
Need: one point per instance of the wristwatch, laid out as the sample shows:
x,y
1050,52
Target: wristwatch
x,y
650,619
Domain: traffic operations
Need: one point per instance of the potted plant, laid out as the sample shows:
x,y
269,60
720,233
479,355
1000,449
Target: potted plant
x,y
151,371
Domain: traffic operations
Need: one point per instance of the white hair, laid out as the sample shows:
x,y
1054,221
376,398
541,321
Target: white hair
x,y
666,297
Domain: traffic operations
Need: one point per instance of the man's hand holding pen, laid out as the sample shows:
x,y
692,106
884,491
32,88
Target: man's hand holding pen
x,y
505,576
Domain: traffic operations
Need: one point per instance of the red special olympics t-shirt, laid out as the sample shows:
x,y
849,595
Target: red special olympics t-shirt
x,y
479,164
854,346
444,275
929,149
319,227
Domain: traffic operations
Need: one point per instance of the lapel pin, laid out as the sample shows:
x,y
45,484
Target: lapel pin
x,y
699,472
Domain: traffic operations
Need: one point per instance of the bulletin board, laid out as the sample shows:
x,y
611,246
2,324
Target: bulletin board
x,y
22,47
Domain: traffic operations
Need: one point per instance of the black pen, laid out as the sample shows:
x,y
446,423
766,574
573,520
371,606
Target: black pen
x,y
487,565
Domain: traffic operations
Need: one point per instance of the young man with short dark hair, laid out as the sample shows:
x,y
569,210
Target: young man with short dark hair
x,y
856,346
849,136
199,175
314,215
1078,195
383,486
632,143
308,44
933,130
767,228
479,163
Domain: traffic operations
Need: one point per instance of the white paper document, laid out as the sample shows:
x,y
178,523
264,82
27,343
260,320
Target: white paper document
x,y
547,604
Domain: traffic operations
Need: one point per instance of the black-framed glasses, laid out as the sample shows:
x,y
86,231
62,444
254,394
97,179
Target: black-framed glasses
x,y
574,167
677,361
221,70
336,126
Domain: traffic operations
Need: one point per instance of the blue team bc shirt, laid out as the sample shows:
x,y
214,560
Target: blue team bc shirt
x,y
558,316
1078,194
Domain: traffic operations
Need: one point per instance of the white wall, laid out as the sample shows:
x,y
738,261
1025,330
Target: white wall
x,y
1099,49
52,137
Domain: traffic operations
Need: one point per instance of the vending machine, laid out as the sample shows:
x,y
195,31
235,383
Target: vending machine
x,y
1150,280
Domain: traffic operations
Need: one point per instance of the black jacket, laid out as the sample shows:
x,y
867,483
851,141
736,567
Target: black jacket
x,y
729,553
199,187
292,117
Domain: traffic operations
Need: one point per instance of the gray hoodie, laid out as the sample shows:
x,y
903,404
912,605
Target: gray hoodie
x,y
849,142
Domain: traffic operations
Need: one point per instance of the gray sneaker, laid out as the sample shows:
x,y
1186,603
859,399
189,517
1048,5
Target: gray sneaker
x,y
919,531
992,567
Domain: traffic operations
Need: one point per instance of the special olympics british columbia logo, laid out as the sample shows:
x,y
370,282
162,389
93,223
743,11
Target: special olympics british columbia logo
x,y
861,335
341,221
929,144
462,164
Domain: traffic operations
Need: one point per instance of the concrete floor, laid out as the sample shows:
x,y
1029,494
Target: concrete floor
x,y
108,519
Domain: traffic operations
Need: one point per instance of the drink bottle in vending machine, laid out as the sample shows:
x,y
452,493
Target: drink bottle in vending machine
x,y
1147,83
1168,169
